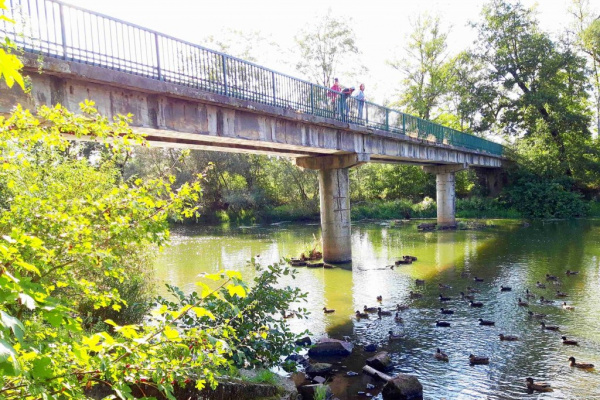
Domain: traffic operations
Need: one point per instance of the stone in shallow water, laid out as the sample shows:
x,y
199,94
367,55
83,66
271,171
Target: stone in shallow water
x,y
403,387
371,347
331,347
305,341
380,361
318,369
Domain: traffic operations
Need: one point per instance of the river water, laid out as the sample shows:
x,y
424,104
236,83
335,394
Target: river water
x,y
507,253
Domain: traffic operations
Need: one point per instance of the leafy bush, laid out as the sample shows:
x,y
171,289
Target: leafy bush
x,y
261,334
537,197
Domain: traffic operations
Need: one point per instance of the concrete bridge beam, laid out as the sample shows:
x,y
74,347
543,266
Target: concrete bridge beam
x,y
334,192
445,192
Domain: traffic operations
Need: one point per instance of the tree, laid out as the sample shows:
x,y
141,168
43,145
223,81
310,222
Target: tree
x,y
587,29
539,85
327,49
427,69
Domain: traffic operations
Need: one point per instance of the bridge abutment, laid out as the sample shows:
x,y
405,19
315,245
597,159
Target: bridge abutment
x,y
445,180
334,192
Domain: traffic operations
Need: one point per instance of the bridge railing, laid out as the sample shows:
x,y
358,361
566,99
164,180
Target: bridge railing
x,y
56,29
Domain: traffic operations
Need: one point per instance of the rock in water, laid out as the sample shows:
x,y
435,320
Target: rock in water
x,y
371,347
305,341
380,361
330,347
403,387
318,369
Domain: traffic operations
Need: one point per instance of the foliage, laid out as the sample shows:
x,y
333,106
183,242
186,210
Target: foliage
x,y
538,197
320,392
259,333
10,65
426,68
326,49
68,228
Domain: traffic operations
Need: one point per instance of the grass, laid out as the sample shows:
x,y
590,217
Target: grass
x,y
320,392
263,376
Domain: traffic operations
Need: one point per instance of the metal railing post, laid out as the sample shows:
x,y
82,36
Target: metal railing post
x,y
403,123
158,68
274,93
387,119
366,105
63,33
225,88
312,100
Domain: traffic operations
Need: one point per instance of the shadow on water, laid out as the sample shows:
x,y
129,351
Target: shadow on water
x,y
507,254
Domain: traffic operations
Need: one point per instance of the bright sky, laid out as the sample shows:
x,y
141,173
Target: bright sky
x,y
381,26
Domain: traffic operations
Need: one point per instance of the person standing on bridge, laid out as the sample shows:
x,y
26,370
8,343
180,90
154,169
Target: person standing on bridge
x,y
334,96
344,108
360,99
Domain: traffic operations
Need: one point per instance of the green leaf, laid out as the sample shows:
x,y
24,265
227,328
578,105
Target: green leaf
x,y
13,324
8,359
40,368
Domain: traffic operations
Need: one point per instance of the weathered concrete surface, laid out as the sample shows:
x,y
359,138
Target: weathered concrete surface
x,y
332,162
445,181
334,191
178,116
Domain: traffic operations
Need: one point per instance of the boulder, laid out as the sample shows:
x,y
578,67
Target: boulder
x,y
403,387
298,359
318,369
331,347
305,341
380,361
371,347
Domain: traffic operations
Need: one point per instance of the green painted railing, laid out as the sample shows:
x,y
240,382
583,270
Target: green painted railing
x,y
56,29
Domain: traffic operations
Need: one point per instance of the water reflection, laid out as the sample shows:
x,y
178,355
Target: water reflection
x,y
507,254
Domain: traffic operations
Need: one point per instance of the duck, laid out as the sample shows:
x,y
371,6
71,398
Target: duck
x,y
551,277
529,295
561,294
508,338
442,324
380,298
393,336
574,363
505,288
540,285
411,258
401,307
287,316
440,356
444,286
327,310
537,387
522,303
536,315
478,360
473,290
545,301
360,315
419,281
442,298
467,296
569,342
446,311
476,304
548,327
414,295
567,307
486,322
370,309
569,272
476,279
398,318
383,313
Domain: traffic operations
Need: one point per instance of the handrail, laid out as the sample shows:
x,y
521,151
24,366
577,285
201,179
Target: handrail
x,y
60,30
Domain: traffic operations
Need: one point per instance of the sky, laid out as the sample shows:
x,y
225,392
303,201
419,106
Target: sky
x,y
381,27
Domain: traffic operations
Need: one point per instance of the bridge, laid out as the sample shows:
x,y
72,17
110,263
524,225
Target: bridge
x,y
186,96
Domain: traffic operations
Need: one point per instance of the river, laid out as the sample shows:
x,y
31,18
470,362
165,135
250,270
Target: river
x,y
507,253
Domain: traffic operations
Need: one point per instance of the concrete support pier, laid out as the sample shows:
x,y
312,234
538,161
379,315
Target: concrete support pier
x,y
445,192
334,191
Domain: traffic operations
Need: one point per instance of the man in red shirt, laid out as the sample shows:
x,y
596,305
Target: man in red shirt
x,y
333,96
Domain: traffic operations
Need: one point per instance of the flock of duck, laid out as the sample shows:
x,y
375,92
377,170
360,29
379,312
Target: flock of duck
x,y
470,297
